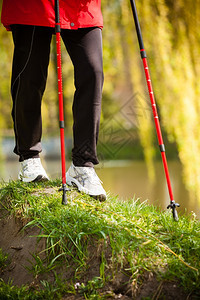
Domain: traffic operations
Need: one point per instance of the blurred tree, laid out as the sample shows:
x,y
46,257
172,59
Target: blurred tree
x,y
6,47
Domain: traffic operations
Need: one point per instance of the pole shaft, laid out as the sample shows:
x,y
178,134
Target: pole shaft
x,y
152,98
60,91
157,125
137,24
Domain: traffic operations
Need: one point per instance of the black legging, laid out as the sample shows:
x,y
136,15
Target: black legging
x,y
29,75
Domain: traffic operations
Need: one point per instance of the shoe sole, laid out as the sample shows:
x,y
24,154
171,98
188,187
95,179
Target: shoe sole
x,y
72,181
39,178
100,197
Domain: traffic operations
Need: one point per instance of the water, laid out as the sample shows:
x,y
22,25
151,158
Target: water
x,y
126,179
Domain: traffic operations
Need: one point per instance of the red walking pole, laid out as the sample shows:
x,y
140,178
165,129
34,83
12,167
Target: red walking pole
x,y
172,204
60,98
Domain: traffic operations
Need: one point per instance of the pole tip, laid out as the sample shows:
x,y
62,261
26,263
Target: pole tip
x,y
173,206
64,199
64,189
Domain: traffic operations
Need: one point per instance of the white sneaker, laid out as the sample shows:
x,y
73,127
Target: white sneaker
x,y
86,180
32,170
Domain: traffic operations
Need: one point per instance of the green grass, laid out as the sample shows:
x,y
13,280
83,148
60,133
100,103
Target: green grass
x,y
129,237
3,260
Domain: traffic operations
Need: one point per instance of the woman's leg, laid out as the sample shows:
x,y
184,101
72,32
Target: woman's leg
x,y
29,75
85,49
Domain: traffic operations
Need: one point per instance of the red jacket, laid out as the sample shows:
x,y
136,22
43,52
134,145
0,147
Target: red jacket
x,y
74,14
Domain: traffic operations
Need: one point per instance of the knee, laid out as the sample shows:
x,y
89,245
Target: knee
x,y
95,74
89,75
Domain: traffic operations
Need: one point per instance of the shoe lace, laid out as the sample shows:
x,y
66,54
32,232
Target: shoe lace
x,y
33,163
87,174
92,176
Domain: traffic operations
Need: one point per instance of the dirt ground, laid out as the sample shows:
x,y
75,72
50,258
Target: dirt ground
x,y
21,243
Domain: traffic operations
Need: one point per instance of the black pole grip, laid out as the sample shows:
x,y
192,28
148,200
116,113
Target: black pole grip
x,y
57,15
137,24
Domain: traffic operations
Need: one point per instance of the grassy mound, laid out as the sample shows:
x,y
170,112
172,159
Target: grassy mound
x,y
92,250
